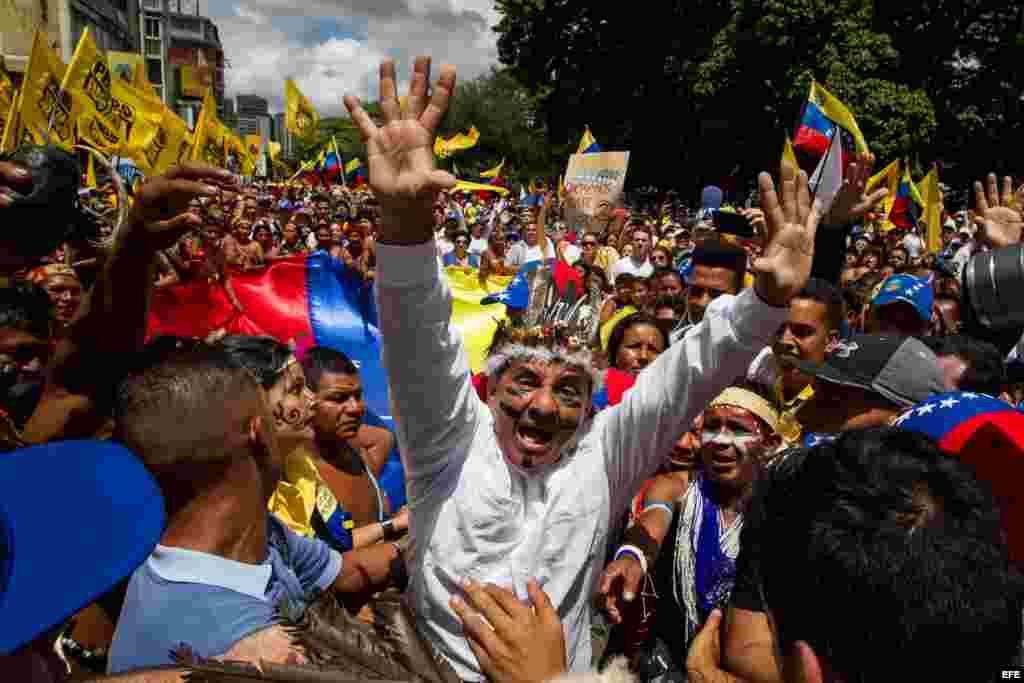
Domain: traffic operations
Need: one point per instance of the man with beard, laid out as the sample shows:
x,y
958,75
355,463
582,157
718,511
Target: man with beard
x,y
522,489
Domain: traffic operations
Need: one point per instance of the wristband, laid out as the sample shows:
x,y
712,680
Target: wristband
x,y
635,552
389,529
659,506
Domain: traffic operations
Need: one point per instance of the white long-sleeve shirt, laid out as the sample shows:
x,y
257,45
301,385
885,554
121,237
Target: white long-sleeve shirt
x,y
472,514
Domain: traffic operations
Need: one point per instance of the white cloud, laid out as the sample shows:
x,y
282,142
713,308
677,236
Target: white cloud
x,y
262,54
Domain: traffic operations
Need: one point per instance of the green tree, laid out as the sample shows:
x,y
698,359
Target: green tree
x,y
703,91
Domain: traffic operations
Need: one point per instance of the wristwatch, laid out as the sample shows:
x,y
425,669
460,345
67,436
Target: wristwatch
x,y
389,529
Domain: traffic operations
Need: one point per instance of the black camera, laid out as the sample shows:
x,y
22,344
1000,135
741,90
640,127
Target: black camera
x,y
992,288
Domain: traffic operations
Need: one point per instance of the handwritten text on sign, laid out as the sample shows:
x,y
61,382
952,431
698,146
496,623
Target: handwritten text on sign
x,y
593,185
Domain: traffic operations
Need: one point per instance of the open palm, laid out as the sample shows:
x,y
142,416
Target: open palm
x,y
400,153
791,224
999,215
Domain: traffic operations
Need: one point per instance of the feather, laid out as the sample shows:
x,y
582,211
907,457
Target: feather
x,y
201,670
397,625
332,637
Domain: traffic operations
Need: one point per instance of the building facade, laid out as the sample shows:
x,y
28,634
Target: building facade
x,y
252,111
114,25
184,56
283,136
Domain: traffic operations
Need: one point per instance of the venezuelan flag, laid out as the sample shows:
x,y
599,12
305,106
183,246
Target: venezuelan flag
x,y
823,117
305,300
588,143
355,173
331,166
905,210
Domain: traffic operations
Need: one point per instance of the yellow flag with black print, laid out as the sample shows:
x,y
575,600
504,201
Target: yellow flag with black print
x,y
209,142
44,113
300,116
116,118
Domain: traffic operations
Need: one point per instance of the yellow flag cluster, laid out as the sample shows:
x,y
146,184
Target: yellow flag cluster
x,y
115,117
43,113
83,102
300,116
460,141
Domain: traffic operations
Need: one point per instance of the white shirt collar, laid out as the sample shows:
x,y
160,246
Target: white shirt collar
x,y
189,566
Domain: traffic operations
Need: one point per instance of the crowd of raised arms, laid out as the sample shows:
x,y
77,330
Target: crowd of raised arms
x,y
688,455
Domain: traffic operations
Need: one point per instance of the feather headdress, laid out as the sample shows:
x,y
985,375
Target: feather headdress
x,y
556,326
340,648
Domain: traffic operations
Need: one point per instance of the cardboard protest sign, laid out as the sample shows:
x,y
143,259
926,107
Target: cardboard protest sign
x,y
593,188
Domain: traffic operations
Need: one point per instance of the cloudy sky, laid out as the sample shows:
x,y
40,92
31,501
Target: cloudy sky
x,y
334,47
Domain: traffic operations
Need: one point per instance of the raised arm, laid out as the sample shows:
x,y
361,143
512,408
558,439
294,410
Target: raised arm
x,y
639,432
436,409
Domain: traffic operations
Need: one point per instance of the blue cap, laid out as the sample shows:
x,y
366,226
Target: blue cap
x,y
75,518
908,289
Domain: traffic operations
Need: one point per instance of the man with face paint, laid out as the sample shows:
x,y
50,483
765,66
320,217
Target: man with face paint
x,y
526,485
684,544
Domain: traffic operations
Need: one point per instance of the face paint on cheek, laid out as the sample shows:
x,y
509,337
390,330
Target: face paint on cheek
x,y
743,443
509,410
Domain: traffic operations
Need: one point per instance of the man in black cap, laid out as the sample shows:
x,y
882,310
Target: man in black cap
x,y
867,380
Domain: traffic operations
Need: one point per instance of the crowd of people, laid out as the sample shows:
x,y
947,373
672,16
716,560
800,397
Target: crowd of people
x,y
784,453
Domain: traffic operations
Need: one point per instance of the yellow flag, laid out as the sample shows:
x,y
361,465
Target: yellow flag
x,y
274,149
171,144
837,112
300,116
115,118
90,174
444,148
929,189
142,83
476,322
209,138
236,148
494,172
8,98
789,155
254,145
475,187
44,112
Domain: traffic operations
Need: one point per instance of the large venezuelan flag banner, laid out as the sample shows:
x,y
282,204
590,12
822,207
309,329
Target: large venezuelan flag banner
x,y
316,300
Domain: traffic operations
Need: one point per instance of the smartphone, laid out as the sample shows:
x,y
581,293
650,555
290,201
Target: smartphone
x,y
732,223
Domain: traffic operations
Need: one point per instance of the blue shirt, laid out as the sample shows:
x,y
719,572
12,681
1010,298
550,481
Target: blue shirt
x,y
449,260
210,603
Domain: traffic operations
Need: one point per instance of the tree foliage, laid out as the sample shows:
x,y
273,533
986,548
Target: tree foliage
x,y
704,90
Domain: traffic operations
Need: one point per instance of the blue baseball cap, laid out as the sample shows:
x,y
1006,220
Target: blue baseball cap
x,y
76,517
908,289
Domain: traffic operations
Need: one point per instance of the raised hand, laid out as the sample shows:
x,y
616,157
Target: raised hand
x,y
791,224
620,584
400,154
517,643
999,215
851,202
162,211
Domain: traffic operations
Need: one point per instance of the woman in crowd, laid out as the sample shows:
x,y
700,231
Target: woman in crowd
x,y
460,256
